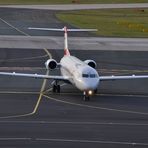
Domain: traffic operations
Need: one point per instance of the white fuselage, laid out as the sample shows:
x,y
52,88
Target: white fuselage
x,y
84,77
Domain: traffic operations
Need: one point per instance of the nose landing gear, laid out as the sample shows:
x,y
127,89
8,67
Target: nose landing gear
x,y
87,95
56,88
86,98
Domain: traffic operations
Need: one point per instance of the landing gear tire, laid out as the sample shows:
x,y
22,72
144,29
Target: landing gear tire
x,y
86,98
56,88
95,91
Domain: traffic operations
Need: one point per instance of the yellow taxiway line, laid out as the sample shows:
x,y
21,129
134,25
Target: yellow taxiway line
x,y
96,107
44,81
41,94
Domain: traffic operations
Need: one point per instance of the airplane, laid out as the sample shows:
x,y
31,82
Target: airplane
x,y
81,74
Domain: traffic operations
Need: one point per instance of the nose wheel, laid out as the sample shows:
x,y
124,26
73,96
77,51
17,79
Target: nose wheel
x,y
56,88
86,98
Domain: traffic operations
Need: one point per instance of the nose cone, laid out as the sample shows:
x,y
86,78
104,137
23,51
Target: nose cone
x,y
88,79
91,84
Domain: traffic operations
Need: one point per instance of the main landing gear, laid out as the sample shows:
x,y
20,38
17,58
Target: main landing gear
x,y
56,88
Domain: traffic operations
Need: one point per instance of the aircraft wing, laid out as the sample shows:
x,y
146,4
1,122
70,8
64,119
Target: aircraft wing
x,y
105,78
60,78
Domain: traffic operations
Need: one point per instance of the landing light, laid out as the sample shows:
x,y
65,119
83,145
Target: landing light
x,y
90,92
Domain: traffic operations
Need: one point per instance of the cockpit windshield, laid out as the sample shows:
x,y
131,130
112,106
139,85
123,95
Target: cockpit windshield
x,y
89,75
85,75
92,75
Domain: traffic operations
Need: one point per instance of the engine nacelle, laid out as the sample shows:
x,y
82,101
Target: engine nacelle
x,y
51,64
91,63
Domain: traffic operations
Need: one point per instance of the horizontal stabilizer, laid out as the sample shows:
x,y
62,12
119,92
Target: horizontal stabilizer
x,y
54,29
75,30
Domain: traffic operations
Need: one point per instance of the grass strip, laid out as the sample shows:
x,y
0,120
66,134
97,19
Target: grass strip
x,y
110,22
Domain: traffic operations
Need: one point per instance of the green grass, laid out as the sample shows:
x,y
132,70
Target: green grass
x,y
111,22
68,1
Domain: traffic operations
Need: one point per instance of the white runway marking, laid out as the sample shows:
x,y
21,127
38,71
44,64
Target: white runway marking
x,y
14,139
79,6
75,141
75,43
76,123
93,141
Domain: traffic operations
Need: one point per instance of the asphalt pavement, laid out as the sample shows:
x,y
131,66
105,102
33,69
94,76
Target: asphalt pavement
x,y
115,117
32,116
78,6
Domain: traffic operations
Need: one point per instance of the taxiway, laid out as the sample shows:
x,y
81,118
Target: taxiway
x,y
78,6
32,116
